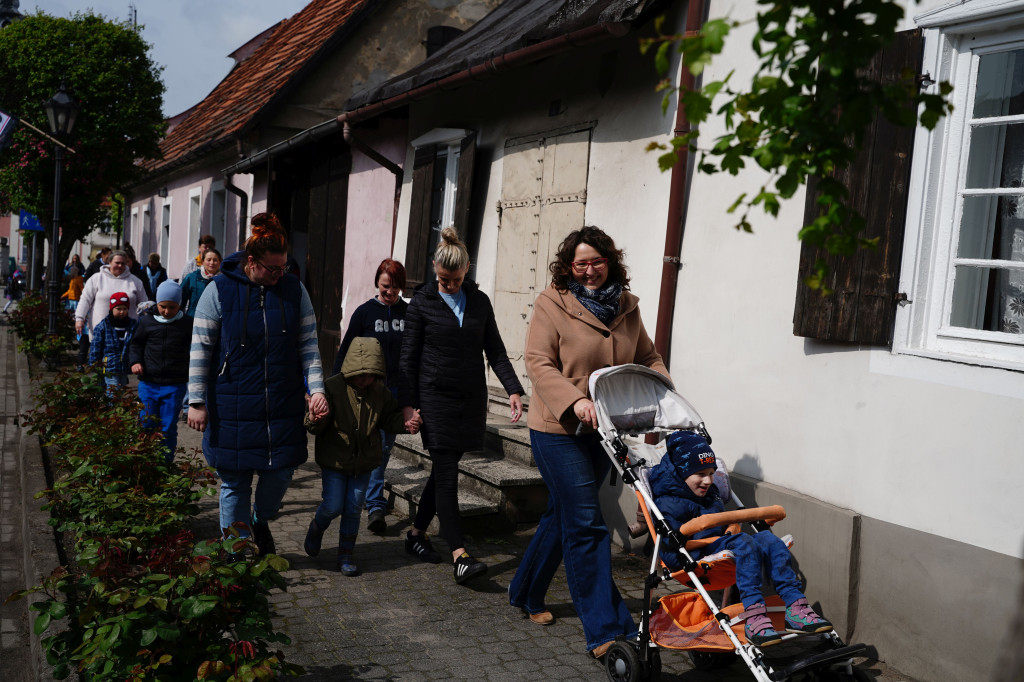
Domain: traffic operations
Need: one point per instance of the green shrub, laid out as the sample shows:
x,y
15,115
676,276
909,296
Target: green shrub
x,y
143,600
31,322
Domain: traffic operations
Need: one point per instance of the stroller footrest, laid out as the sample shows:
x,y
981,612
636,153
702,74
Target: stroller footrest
x,y
821,660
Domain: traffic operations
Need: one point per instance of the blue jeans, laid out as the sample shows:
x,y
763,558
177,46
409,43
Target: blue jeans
x,y
752,553
114,382
161,405
342,496
236,493
375,499
573,529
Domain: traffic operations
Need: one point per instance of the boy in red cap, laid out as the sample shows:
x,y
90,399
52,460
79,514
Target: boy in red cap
x,y
110,342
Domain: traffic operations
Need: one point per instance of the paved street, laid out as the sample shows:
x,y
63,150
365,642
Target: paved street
x,y
400,620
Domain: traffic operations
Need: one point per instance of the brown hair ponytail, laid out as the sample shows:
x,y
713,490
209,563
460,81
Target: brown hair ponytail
x,y
268,236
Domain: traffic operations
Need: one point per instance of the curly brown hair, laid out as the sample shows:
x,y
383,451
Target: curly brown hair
x,y
268,236
561,266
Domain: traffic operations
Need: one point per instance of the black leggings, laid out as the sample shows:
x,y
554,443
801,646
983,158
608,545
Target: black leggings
x,y
441,497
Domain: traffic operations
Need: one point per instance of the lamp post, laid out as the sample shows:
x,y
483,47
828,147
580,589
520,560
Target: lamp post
x,y
61,110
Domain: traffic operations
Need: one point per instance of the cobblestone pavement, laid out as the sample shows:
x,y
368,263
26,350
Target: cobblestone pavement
x,y
401,619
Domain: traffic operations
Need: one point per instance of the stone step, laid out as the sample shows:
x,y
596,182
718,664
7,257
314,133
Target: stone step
x,y
497,401
405,483
515,490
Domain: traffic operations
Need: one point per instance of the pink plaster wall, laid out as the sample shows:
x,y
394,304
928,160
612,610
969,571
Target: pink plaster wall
x,y
181,246
371,205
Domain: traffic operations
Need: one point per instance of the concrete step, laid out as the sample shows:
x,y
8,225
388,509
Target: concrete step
x,y
488,480
497,400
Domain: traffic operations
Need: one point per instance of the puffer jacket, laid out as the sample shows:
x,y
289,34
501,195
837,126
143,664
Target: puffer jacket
x,y
348,441
162,348
565,343
678,504
255,391
442,367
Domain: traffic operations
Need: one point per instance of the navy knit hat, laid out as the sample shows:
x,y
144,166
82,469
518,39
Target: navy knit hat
x,y
690,452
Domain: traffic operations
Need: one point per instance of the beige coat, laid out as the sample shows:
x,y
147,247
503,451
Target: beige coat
x,y
565,343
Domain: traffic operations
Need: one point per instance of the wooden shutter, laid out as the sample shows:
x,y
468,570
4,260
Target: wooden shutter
x,y
419,217
464,191
862,307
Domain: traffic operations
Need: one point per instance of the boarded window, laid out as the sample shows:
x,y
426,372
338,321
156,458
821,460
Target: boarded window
x,y
862,307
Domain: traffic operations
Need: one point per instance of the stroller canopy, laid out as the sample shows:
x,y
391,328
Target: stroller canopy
x,y
636,399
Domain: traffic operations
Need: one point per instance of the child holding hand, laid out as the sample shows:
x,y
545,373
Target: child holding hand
x,y
683,488
348,444
159,354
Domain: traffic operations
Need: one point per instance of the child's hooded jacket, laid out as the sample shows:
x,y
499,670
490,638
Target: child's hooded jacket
x,y
677,502
348,440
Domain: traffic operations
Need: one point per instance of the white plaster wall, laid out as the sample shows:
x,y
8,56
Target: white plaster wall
x,y
924,444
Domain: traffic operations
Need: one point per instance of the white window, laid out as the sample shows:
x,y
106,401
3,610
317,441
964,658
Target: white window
x,y
445,183
963,264
165,232
218,212
133,229
195,202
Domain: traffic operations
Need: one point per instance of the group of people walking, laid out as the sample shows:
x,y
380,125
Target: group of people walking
x,y
256,386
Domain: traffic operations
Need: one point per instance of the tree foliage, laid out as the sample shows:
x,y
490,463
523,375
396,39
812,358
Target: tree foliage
x,y
107,69
806,109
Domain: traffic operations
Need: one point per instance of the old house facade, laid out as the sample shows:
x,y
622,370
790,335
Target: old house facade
x,y
872,415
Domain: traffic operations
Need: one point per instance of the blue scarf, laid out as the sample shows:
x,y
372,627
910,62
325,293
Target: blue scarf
x,y
604,303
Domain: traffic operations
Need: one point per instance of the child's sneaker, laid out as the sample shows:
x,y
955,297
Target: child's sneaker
x,y
801,618
467,568
347,566
758,628
421,547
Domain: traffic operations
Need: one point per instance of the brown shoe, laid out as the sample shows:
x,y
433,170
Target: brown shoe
x,y
542,618
601,649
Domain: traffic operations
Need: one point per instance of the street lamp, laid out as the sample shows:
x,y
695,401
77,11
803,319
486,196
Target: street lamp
x,y
62,111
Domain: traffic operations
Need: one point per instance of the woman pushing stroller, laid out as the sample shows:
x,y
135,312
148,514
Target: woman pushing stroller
x,y
683,489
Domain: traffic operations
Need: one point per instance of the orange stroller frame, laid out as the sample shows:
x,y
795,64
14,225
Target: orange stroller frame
x,y
634,400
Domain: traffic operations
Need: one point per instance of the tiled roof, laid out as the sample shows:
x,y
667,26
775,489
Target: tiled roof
x,y
246,92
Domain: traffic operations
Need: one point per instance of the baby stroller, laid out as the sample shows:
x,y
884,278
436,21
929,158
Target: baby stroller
x,y
634,400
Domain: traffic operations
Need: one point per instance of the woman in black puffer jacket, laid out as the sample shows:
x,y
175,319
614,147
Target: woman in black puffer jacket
x,y
449,327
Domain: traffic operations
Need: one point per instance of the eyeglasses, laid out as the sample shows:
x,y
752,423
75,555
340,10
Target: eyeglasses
x,y
273,270
581,266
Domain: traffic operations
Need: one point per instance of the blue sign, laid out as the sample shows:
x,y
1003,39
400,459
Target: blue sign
x,y
28,222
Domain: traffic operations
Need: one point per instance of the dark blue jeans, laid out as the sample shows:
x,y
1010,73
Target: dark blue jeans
x,y
752,553
342,496
573,529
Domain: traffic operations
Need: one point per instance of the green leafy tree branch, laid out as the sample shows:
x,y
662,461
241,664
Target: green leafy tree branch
x,y
107,68
805,112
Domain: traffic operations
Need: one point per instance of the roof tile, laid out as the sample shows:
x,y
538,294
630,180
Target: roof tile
x,y
250,86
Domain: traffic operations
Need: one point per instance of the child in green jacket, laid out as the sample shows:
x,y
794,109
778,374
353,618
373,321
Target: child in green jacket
x,y
348,444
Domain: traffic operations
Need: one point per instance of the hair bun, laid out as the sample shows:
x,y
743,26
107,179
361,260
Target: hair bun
x,y
450,236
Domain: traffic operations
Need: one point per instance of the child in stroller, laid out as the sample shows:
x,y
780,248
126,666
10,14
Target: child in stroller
x,y
683,489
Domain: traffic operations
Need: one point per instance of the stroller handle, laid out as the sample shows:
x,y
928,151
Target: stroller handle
x,y
770,514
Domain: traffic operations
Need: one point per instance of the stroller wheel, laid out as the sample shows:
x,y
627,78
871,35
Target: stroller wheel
x,y
709,660
622,663
653,671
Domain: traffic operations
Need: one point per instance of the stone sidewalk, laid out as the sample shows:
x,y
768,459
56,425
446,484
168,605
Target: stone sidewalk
x,y
401,619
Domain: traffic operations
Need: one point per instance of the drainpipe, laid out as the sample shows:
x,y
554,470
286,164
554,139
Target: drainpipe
x,y
243,209
381,160
695,13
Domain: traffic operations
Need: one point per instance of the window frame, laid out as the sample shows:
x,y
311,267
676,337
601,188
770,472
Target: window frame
x,y
954,42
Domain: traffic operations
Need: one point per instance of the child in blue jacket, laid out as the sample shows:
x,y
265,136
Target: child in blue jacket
x,y
110,342
159,354
683,488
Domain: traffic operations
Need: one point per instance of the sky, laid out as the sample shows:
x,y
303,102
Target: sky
x,y
191,39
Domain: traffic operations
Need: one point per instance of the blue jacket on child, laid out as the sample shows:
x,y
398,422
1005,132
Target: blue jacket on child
x,y
108,346
678,504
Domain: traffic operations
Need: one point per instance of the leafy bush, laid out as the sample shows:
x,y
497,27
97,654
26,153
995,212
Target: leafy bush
x,y
143,600
31,321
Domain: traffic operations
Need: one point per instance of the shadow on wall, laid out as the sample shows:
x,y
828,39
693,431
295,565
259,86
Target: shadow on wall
x,y
748,465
